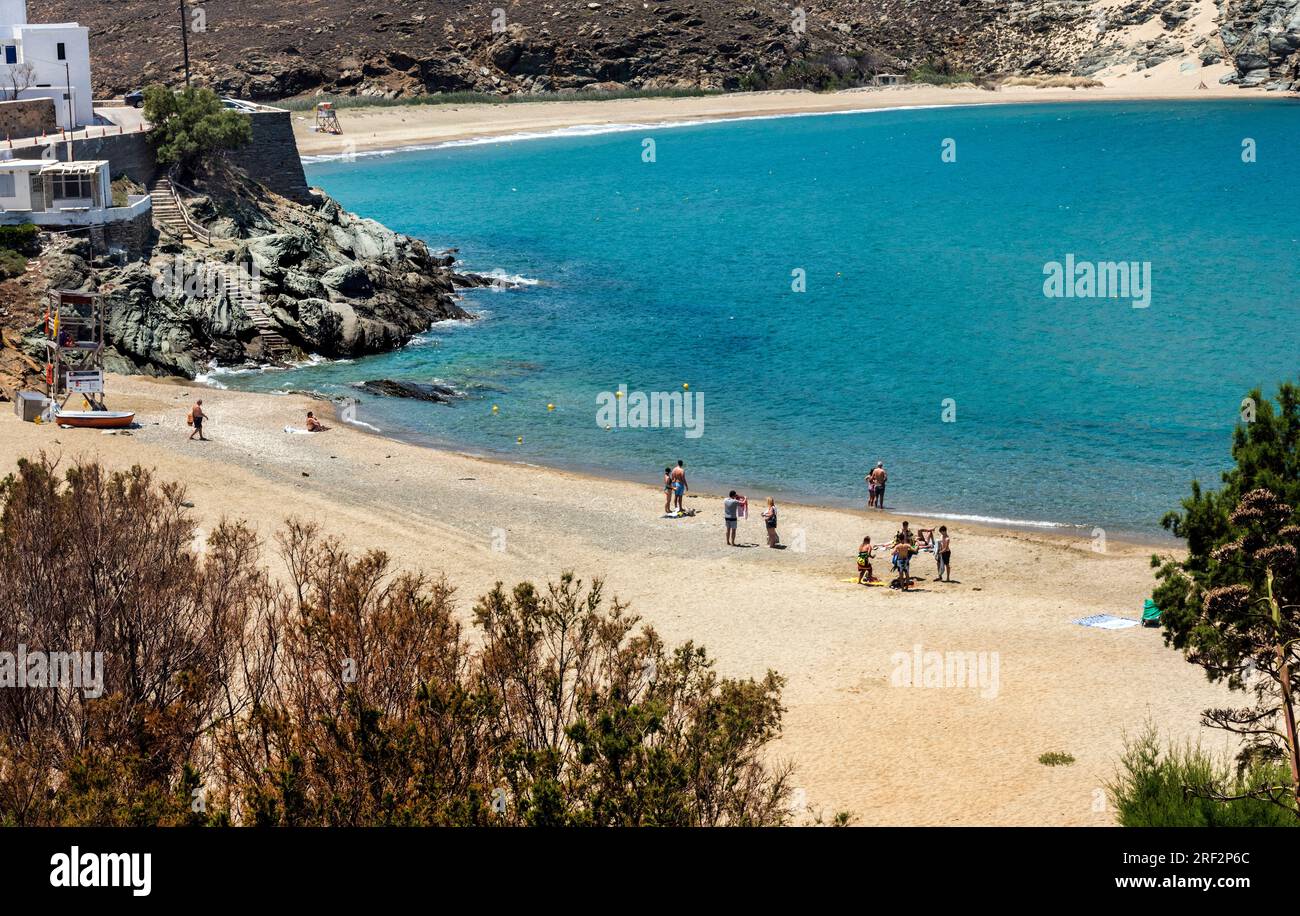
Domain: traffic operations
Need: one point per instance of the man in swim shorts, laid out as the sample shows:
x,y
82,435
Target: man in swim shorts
x,y
679,485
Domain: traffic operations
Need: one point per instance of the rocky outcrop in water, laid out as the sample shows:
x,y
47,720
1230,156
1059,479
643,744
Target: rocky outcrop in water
x,y
322,279
417,391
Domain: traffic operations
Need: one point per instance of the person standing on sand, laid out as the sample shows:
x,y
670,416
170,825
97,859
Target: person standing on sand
x,y
680,486
729,507
668,490
769,519
943,554
196,418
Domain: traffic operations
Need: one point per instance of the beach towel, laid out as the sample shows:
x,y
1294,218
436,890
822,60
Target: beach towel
x,y
296,431
1106,622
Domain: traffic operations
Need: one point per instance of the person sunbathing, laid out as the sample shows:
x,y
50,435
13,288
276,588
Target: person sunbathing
x,y
924,539
864,561
314,425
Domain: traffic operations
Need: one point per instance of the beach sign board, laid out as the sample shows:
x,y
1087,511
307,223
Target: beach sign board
x,y
87,381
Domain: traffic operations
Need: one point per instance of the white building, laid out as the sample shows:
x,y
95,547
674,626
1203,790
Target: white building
x,y
59,55
62,194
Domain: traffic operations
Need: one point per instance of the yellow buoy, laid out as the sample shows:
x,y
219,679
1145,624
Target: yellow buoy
x,y
495,408
520,440
686,386
550,406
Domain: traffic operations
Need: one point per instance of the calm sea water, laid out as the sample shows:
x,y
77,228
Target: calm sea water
x,y
924,290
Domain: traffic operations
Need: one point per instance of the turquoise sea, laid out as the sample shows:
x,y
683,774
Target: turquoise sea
x,y
924,300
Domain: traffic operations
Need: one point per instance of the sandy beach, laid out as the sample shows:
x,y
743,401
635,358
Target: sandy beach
x,y
393,127
889,754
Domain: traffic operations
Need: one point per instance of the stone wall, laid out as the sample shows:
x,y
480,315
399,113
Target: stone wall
x,y
134,236
272,157
127,154
27,118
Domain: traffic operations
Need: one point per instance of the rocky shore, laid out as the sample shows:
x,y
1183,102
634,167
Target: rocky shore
x,y
318,279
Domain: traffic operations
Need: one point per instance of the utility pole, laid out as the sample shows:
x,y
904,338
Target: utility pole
x,y
72,121
185,43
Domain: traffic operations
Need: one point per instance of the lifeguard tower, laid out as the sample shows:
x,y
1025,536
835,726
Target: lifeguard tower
x,y
74,360
327,119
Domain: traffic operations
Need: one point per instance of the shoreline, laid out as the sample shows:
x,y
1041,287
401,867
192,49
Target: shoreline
x,y
856,739
1065,532
382,130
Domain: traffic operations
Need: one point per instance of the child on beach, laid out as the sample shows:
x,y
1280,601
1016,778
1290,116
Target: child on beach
x,y
864,561
902,559
943,554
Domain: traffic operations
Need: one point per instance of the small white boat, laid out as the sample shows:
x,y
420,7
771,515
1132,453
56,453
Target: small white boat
x,y
95,419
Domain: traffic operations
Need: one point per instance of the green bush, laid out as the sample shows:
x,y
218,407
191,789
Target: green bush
x,y
12,264
1158,786
22,239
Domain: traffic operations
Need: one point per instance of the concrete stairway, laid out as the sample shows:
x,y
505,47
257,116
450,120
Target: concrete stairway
x,y
246,292
166,210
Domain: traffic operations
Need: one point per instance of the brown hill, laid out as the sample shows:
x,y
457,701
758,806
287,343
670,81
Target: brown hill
x,y
264,49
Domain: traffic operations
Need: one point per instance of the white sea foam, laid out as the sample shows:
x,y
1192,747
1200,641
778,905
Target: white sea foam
x,y
995,520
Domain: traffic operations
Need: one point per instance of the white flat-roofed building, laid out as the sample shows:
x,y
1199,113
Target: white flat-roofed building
x,y
62,194
54,58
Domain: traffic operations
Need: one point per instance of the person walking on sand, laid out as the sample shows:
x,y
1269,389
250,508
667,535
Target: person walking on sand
x,y
769,519
730,505
680,486
196,418
668,491
943,554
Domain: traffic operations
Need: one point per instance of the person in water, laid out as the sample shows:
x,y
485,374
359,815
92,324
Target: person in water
x,y
864,561
879,477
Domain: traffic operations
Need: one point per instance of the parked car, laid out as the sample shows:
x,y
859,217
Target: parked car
x,y
134,99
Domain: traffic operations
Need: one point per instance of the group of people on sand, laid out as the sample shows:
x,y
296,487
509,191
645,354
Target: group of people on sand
x,y
196,417
734,507
906,544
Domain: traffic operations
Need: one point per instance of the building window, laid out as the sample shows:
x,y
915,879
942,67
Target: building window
x,y
11,54
72,187
7,185
61,51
